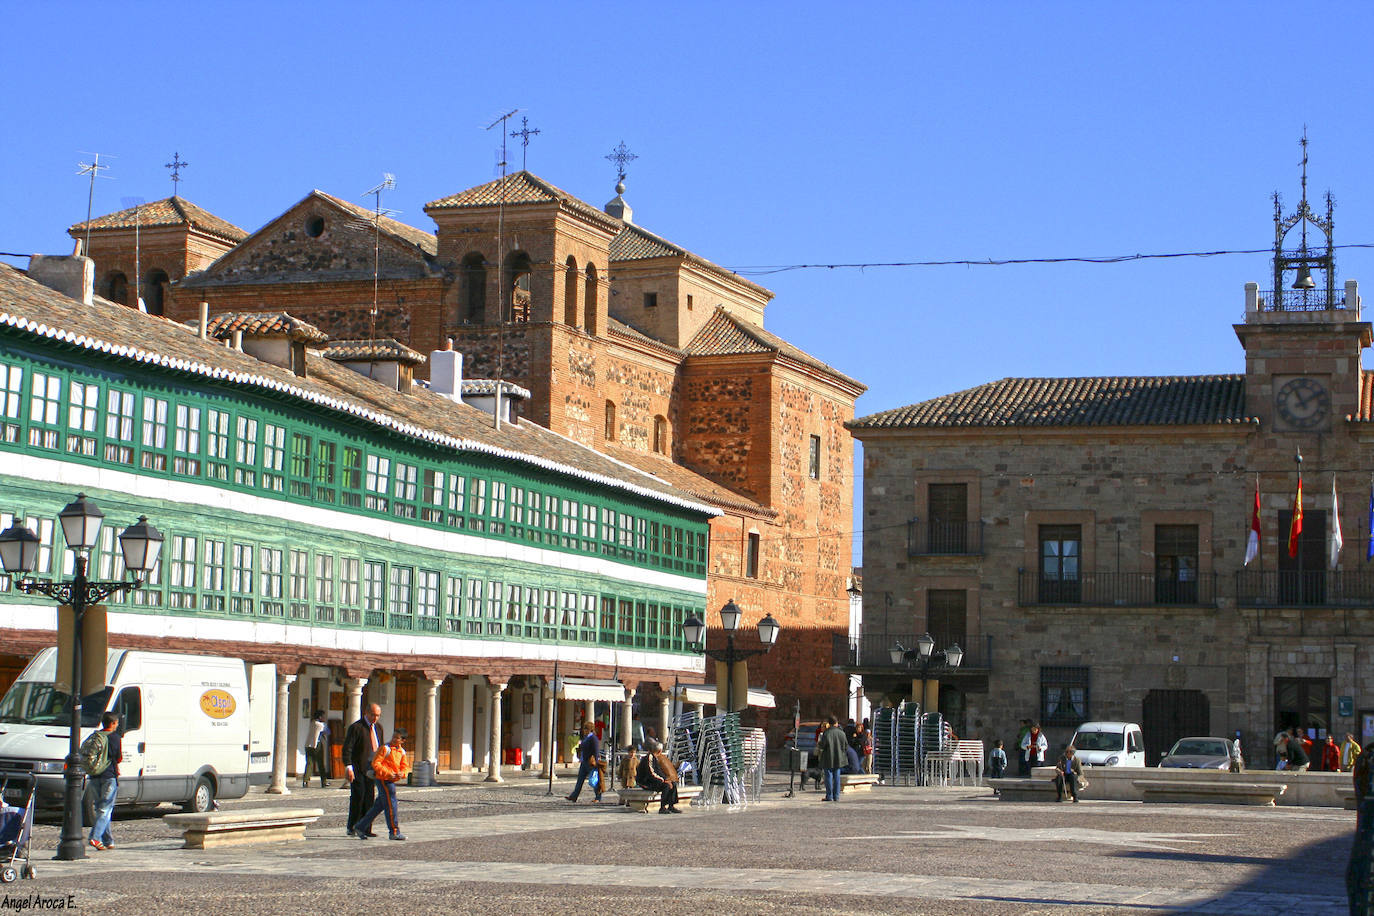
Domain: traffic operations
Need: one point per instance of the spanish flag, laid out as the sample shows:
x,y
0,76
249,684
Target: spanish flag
x,y
1295,528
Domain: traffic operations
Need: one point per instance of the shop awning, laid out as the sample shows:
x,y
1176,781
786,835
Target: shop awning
x,y
705,694
583,688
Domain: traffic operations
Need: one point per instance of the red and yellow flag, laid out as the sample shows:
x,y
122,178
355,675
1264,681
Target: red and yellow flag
x,y
1295,527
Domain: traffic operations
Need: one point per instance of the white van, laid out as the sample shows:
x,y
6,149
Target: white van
x,y
195,727
1110,744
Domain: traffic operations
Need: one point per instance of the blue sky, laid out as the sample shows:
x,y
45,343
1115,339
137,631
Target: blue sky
x,y
768,134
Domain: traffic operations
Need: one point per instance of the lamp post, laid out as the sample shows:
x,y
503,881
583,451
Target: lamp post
x,y
140,543
925,653
694,631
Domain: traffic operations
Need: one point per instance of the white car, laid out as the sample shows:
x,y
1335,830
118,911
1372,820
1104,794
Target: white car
x,y
1110,744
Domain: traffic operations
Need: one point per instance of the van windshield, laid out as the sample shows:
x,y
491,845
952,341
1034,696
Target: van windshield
x,y
40,703
1097,741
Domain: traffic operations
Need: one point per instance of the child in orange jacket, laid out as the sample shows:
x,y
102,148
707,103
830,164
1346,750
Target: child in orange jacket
x,y
389,765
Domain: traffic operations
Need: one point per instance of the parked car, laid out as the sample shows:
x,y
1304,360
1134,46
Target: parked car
x,y
1201,754
1110,744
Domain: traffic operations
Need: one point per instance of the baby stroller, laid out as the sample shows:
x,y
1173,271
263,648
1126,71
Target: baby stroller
x,y
16,829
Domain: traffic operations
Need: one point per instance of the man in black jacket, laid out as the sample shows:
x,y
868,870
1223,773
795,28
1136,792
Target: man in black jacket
x,y
361,741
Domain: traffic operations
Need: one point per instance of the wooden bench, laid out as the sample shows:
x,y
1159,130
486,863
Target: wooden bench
x,y
1019,790
248,825
641,799
857,782
1183,791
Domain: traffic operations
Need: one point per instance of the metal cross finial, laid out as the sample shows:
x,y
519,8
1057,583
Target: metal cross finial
x,y
524,133
176,165
620,156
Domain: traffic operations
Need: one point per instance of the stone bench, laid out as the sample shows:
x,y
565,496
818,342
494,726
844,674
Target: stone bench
x,y
248,825
1347,796
1184,791
858,782
1018,790
641,799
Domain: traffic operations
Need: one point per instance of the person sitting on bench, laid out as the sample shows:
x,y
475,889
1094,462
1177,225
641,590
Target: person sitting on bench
x,y
657,774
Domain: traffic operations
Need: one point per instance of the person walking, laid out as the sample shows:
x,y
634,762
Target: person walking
x,y
1066,774
1298,759
317,750
389,766
105,782
657,774
1350,752
361,741
587,752
830,753
1330,756
1033,748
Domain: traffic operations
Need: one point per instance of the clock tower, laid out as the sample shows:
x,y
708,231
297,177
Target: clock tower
x,y
1303,338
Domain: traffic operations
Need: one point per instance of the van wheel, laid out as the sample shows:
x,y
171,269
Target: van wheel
x,y
202,799
87,807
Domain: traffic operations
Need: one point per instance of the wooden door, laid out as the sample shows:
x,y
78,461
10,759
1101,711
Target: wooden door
x,y
1167,715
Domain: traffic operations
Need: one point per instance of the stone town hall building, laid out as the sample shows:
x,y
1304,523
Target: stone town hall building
x,y
625,342
1084,539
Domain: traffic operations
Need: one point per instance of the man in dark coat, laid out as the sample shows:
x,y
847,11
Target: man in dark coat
x,y
830,753
587,753
361,741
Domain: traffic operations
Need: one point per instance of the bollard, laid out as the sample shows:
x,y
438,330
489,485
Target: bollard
x,y
1359,874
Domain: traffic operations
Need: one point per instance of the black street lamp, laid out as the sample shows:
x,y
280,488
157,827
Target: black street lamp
x,y
140,544
925,653
694,631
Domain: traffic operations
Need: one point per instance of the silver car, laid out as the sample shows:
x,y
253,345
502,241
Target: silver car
x,y
1201,754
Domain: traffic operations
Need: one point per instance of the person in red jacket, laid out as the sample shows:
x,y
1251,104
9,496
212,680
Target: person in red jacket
x,y
390,765
1330,756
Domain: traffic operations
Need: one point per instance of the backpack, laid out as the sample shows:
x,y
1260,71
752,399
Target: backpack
x,y
95,754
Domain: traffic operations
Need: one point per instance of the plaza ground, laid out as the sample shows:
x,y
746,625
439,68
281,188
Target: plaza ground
x,y
511,848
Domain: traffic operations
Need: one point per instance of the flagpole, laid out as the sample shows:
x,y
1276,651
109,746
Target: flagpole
x,y
1297,508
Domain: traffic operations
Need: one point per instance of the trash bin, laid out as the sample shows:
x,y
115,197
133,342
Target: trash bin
x,y
423,773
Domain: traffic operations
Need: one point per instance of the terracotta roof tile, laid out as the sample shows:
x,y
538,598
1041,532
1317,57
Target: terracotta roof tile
x,y
620,328
384,348
726,335
1188,400
520,188
635,243
170,211
262,324
28,307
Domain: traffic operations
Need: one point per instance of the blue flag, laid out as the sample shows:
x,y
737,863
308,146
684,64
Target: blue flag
x,y
1369,551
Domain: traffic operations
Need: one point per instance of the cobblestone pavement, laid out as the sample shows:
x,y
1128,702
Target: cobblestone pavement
x,y
513,849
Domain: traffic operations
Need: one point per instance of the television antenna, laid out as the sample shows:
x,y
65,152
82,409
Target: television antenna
x,y
136,204
387,183
501,259
92,168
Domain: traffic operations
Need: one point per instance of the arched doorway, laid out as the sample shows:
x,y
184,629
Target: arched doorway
x,y
117,288
154,291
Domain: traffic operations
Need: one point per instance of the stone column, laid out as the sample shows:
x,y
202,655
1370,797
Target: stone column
x,y
550,736
429,706
353,704
278,785
627,716
665,717
494,762
589,713
293,734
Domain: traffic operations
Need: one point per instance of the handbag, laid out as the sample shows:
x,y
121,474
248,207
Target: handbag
x,y
1082,783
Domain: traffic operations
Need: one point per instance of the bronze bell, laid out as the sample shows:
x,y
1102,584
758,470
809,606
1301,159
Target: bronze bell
x,y
1304,280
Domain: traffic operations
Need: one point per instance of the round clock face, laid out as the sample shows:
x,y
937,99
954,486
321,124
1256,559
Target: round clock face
x,y
1303,403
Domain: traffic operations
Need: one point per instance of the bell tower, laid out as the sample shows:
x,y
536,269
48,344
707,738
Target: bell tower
x,y
1303,338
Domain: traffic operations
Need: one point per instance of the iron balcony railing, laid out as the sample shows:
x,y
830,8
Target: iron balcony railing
x,y
1309,588
927,538
1116,590
875,651
1300,300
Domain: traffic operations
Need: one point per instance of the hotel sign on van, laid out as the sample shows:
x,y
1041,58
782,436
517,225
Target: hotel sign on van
x,y
217,704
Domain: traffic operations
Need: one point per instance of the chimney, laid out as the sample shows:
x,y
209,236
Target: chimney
x,y
72,275
204,319
446,372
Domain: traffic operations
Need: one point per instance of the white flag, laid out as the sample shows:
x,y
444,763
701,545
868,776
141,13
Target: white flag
x,y
1336,541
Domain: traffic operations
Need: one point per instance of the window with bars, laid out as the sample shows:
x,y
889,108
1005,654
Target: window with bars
x,y
495,592
569,523
476,601
477,504
324,587
1064,695
299,585
589,604
589,543
351,477
181,571
498,507
83,409
374,594
273,457
217,454
273,588
186,441
403,495
241,579
378,482
119,426
427,594
45,410
301,479
246,452
453,605
212,575
11,402
154,437
457,501
325,458
350,590
1176,564
432,496
402,590
516,512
